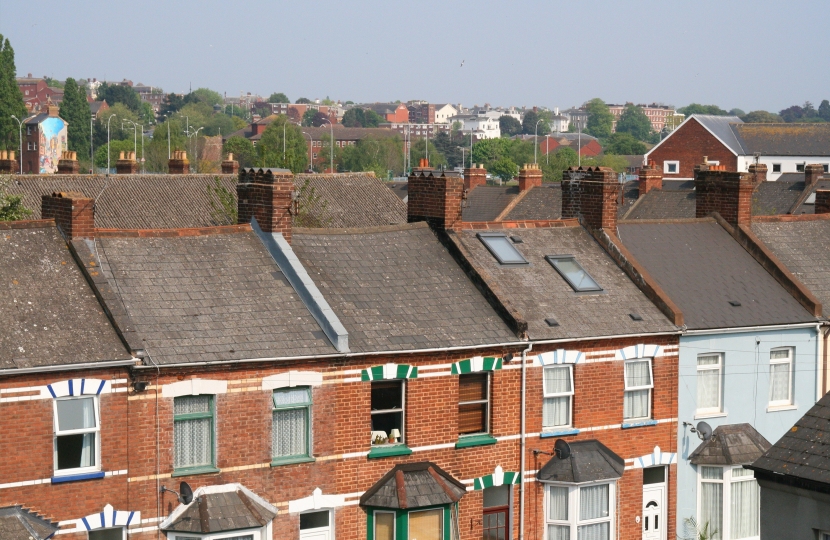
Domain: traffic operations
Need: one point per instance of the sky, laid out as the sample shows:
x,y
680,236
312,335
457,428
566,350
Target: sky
x,y
749,54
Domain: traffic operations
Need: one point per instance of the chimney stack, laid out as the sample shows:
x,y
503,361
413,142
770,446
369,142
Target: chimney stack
x,y
822,205
8,165
591,193
650,178
73,212
126,163
178,163
435,197
530,176
758,172
474,176
729,193
230,165
68,163
812,174
266,195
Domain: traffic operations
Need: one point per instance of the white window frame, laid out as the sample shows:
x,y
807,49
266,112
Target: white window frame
x,y
719,368
666,165
57,432
260,533
330,526
726,494
570,394
649,387
375,523
486,401
573,520
778,361
402,439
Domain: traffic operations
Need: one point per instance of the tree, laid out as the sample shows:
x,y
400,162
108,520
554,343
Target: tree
x,y
556,162
696,108
504,168
270,147
11,206
792,114
171,104
204,95
303,100
357,117
624,144
11,100
736,112
600,119
242,149
115,148
278,97
308,117
116,93
761,117
824,110
99,129
450,145
634,122
75,110
417,152
509,126
489,151
373,154
529,123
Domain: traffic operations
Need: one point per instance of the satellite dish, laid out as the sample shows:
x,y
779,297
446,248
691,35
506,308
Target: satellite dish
x,y
704,431
562,449
185,493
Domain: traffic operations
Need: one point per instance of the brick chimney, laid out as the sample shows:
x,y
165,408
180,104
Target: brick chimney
x,y
266,195
812,173
758,172
178,163
435,197
822,205
126,163
728,193
8,165
530,176
475,176
591,193
73,212
68,164
650,178
230,165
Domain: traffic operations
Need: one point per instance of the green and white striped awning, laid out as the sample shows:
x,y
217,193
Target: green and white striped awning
x,y
475,364
389,371
498,478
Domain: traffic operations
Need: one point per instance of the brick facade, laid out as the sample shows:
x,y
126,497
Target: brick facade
x,y
591,193
72,212
530,176
435,197
728,193
690,144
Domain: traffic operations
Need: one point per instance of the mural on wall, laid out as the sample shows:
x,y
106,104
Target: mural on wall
x,y
52,143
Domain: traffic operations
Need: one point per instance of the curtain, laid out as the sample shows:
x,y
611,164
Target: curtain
x,y
558,504
556,411
597,531
780,382
191,404
635,404
711,501
557,380
76,414
426,525
88,450
708,388
637,374
744,506
384,526
192,438
593,502
288,436
294,396
559,532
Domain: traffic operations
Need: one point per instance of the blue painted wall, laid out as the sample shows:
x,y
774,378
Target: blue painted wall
x,y
745,393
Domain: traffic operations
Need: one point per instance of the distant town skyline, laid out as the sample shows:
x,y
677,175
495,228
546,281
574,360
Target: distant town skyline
x,y
745,54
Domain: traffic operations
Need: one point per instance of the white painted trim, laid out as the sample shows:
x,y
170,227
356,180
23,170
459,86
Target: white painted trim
x,y
316,501
111,518
291,379
194,387
638,351
657,457
559,356
666,164
75,387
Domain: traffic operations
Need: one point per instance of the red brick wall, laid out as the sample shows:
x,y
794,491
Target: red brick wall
x,y
435,198
726,192
267,197
73,213
689,144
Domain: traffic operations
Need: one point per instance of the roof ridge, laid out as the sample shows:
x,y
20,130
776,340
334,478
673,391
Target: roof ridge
x,y
361,230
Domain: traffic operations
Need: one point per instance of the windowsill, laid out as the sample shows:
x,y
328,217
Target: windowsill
x,y
276,462
775,408
389,450
191,471
640,423
483,439
559,432
719,414
77,477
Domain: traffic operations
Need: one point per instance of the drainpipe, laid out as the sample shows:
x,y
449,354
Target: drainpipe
x,y
822,344
523,449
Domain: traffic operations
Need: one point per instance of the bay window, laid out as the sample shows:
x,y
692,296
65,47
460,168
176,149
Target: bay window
x,y
709,379
580,512
638,385
780,377
729,502
558,395
77,429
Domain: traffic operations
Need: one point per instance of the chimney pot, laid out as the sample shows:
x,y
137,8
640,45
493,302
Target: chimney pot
x,y
267,197
729,193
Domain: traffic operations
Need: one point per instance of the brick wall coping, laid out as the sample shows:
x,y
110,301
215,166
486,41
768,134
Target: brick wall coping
x,y
362,230
27,224
172,233
519,224
791,217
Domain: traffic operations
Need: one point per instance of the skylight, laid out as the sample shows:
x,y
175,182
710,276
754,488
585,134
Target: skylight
x,y
502,248
574,274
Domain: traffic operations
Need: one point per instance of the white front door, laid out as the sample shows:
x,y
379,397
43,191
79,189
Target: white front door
x,y
654,512
316,526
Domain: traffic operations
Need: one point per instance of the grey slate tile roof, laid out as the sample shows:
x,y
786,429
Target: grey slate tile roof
x,y
397,288
590,461
803,453
772,198
732,444
352,200
48,312
721,126
401,189
414,485
664,204
784,139
538,292
17,523
544,202
702,268
802,246
208,298
222,512
485,203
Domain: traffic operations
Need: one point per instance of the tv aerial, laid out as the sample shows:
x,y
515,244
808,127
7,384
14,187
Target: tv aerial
x,y
184,495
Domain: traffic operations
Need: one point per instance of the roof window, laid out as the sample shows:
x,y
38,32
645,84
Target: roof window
x,y
574,274
502,248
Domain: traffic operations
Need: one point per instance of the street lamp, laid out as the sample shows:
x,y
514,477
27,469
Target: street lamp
x,y
332,144
109,150
536,139
135,134
463,164
20,136
167,121
193,153
310,149
547,148
91,149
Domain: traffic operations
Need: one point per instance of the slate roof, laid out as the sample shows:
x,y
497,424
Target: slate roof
x,y
230,510
206,298
48,312
342,133
784,139
771,198
663,204
352,200
733,444
802,247
803,453
17,523
485,203
702,268
538,292
543,202
401,189
590,461
721,127
397,288
414,485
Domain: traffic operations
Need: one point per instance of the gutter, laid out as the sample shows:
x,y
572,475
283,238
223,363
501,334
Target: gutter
x,y
71,367
741,329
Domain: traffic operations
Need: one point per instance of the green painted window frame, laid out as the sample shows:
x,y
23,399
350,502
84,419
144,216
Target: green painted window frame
x,y
199,469
306,406
402,520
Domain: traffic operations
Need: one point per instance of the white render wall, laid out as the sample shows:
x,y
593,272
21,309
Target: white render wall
x,y
788,163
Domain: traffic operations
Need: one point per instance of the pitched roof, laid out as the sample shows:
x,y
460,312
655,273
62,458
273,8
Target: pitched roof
x,y
401,189
414,485
352,200
663,204
224,508
208,298
537,291
397,288
17,523
485,203
702,268
720,127
342,133
590,461
540,203
733,444
48,312
784,139
803,453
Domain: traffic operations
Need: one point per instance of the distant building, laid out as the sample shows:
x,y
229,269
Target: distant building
x,y
421,112
391,112
45,141
98,107
577,117
36,92
150,94
483,125
559,122
582,144
657,114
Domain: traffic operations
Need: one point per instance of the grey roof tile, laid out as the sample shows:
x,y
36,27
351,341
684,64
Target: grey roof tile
x,y
420,487
17,523
590,461
733,444
226,511
540,203
784,139
485,203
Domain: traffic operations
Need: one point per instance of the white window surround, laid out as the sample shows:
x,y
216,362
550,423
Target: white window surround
x,y
75,387
574,520
95,431
639,351
554,395
262,533
656,458
111,518
291,379
559,356
726,482
671,167
781,366
194,387
316,501
712,368
637,388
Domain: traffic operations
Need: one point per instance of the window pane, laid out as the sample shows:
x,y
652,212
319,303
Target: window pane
x,y
289,433
558,504
654,475
744,508
781,354
314,520
779,382
557,380
386,422
191,404
426,525
294,396
387,395
635,404
559,532
472,418
740,471
556,411
598,531
711,508
503,249
472,387
107,534
192,440
76,413
708,389
384,526
497,496
711,473
708,360
576,276
637,374
76,451
593,502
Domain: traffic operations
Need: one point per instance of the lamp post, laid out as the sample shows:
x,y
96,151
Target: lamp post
x,y
109,150
536,140
547,149
167,121
91,149
332,145
20,137
462,155
193,152
579,145
310,149
135,134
